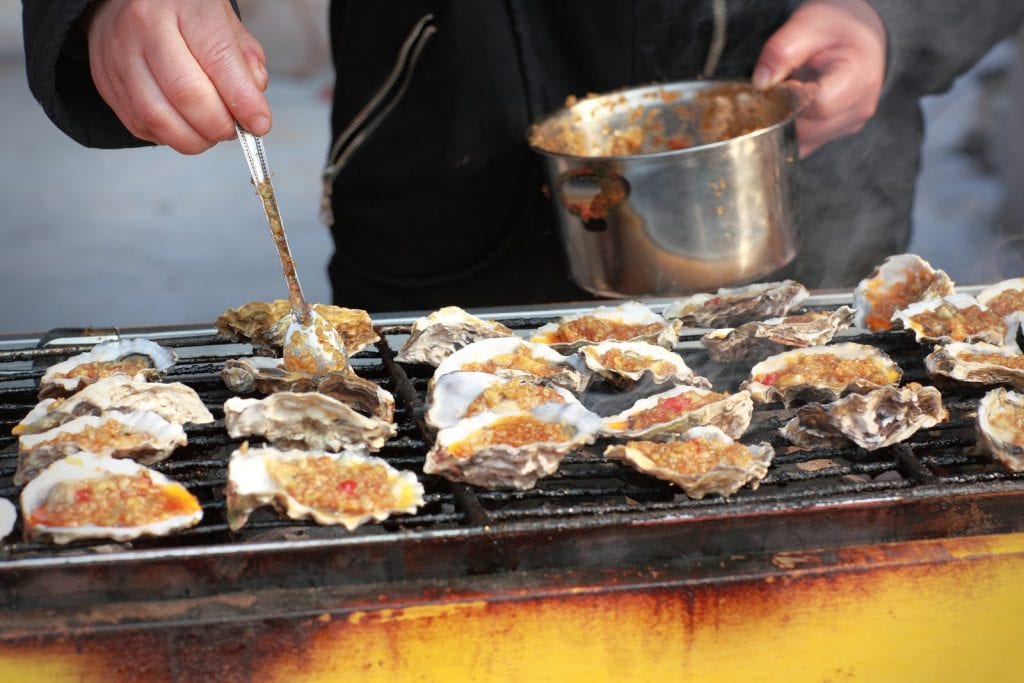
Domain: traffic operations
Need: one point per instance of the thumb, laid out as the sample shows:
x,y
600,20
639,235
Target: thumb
x,y
788,49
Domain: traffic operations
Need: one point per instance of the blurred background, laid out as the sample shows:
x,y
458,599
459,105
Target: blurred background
x,y
149,237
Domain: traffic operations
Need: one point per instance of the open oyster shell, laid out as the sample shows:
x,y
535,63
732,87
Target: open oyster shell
x,y
879,418
173,401
732,306
821,373
675,411
764,338
515,357
8,516
458,395
313,347
264,325
958,317
146,438
308,420
631,321
978,363
511,450
705,460
1000,427
139,359
624,363
436,336
896,283
348,488
1006,299
88,496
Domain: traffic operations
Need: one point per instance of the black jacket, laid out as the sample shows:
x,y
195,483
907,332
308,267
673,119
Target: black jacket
x,y
443,204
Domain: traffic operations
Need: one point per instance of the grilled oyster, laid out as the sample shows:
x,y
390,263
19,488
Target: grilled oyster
x,y
264,325
874,420
899,281
440,334
309,420
8,516
139,359
626,362
1006,299
173,401
705,460
821,373
958,317
348,488
978,363
733,306
1000,427
460,395
313,347
511,450
515,357
88,496
146,438
760,339
631,321
675,411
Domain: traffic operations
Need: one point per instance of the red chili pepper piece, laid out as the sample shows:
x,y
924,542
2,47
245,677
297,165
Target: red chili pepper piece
x,y
347,486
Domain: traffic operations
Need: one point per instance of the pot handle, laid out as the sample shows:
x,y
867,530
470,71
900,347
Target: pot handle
x,y
590,194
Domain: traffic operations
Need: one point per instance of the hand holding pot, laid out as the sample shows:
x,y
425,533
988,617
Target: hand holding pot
x,y
839,47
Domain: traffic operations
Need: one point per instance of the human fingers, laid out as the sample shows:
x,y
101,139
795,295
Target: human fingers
x,y
844,101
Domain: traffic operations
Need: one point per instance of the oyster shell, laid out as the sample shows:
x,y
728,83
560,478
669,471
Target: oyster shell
x,y
874,420
821,373
958,317
139,359
8,516
146,438
631,321
88,496
458,395
308,420
511,450
896,283
436,336
264,325
1000,427
172,401
675,411
348,488
313,347
731,306
626,362
515,357
760,339
1006,298
978,363
705,460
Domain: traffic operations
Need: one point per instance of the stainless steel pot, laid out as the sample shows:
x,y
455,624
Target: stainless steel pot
x,y
674,188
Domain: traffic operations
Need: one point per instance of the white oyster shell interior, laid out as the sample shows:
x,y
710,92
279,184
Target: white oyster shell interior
x,y
59,379
619,323
8,516
978,363
453,394
436,336
1000,427
496,356
897,282
948,323
618,360
729,412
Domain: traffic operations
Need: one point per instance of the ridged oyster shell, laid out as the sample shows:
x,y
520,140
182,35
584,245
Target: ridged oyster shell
x,y
515,357
978,363
475,449
626,362
84,469
811,374
348,488
879,418
1006,299
699,467
677,410
455,393
264,324
958,317
763,338
308,420
436,336
1000,427
896,283
630,321
139,359
146,438
732,306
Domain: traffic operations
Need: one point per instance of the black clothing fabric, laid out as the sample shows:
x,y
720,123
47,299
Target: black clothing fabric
x,y
443,203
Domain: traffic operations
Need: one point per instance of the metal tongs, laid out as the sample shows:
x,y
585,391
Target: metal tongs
x,y
311,344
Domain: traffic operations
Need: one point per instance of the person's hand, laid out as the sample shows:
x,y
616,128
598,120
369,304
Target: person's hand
x,y
839,47
178,72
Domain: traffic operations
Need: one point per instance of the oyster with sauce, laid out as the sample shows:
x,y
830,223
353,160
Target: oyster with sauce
x,y
511,450
899,281
677,410
704,460
85,496
440,334
1000,427
1006,299
978,363
879,418
265,325
309,420
958,317
348,488
732,306
139,359
515,357
821,373
459,395
624,363
631,321
756,340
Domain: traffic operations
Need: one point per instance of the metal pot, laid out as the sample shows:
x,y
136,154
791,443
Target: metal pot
x,y
674,188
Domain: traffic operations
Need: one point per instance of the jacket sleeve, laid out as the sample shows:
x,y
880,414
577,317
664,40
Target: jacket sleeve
x,y
930,44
